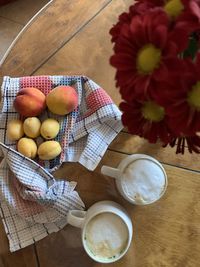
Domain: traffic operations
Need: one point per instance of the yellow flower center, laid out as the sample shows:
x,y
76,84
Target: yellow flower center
x,y
153,112
194,96
174,8
148,59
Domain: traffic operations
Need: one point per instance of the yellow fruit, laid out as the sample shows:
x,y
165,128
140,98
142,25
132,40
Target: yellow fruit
x,y
27,147
62,100
15,130
49,150
32,127
49,128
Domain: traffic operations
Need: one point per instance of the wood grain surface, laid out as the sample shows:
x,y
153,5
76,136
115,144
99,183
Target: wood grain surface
x,y
129,144
166,233
22,258
48,32
89,51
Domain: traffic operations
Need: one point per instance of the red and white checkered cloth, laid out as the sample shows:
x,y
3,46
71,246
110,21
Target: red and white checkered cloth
x,y
32,203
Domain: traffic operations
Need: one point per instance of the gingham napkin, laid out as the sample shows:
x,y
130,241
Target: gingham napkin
x,y
32,203
85,133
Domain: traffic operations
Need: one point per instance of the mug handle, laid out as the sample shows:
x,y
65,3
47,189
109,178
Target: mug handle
x,y
112,172
76,218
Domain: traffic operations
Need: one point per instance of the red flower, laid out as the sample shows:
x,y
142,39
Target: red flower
x,y
181,12
145,51
181,97
126,17
146,119
160,87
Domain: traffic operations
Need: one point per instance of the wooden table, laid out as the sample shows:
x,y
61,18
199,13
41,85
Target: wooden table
x,y
71,37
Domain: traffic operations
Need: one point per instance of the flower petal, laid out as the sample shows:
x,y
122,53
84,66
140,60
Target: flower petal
x,y
159,37
122,62
180,37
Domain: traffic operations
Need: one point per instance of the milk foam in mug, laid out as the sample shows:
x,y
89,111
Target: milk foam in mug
x,y
140,179
106,230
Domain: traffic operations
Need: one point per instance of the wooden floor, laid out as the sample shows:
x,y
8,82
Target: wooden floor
x,y
167,233
13,17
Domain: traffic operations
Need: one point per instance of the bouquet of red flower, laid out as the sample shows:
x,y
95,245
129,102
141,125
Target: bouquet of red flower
x,y
156,54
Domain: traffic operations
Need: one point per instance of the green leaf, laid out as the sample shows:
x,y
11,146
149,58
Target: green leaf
x,y
192,49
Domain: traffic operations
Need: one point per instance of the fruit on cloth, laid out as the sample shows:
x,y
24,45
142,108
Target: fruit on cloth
x,y
62,100
32,127
27,147
49,150
15,130
49,128
30,102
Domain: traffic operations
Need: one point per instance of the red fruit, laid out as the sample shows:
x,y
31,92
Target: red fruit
x,y
30,102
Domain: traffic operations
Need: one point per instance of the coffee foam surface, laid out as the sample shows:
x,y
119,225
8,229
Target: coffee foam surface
x,y
106,235
143,181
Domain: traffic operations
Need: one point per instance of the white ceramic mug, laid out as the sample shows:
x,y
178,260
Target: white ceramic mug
x,y
121,180
83,220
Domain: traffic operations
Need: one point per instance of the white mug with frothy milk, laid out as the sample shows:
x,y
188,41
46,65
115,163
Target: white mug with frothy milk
x,y
106,230
140,179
